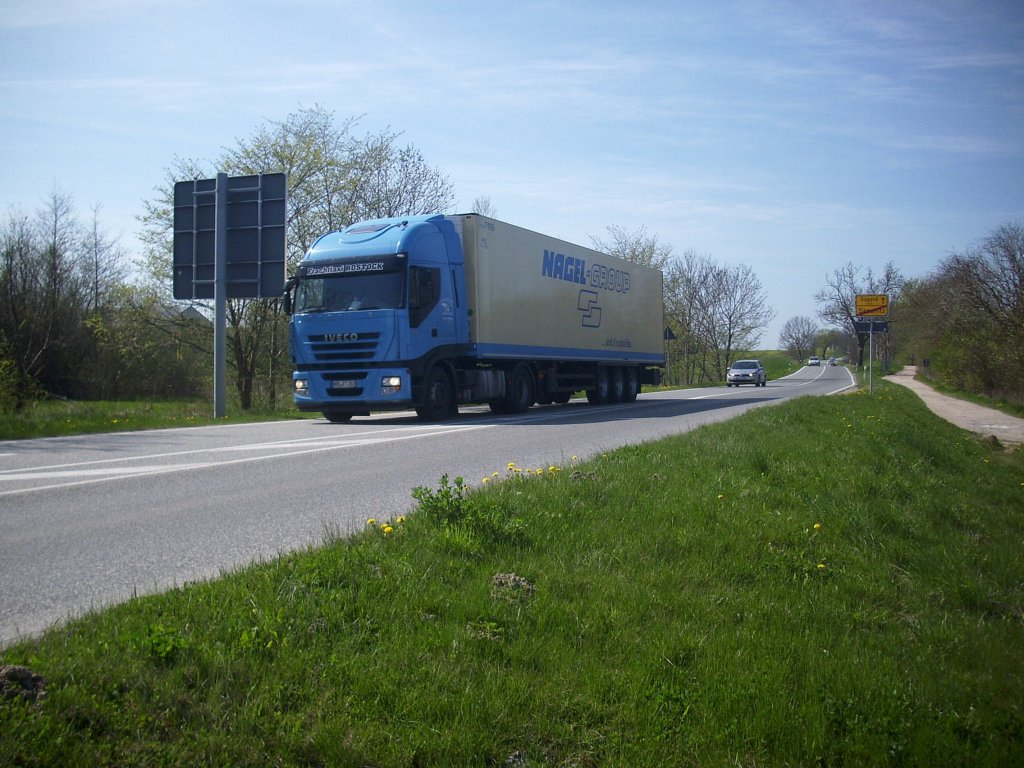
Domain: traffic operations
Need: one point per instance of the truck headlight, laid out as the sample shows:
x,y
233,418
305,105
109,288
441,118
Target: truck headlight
x,y
301,386
390,384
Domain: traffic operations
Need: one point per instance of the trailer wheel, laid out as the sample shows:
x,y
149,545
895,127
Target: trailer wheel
x,y
599,394
616,386
521,397
632,388
439,397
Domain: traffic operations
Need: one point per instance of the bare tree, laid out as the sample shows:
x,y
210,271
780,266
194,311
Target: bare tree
x,y
741,313
838,300
637,247
102,264
482,205
688,308
798,337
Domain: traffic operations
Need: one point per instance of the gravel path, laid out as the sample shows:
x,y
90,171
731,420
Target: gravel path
x,y
1009,430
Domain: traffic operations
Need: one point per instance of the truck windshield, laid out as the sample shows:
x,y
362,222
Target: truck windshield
x,y
345,293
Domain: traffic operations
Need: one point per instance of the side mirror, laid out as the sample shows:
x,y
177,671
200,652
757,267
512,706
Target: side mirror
x,y
286,297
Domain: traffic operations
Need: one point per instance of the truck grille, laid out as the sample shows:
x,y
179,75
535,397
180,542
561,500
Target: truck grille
x,y
333,348
334,352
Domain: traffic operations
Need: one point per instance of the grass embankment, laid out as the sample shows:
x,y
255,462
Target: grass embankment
x,y
832,581
52,418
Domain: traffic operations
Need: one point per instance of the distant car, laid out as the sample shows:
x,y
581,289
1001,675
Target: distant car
x,y
746,372
831,361
814,360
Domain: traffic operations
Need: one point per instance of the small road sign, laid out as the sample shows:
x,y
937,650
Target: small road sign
x,y
872,305
871,326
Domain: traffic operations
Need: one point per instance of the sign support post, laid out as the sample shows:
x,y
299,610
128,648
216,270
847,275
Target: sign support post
x,y
870,305
220,301
871,355
229,243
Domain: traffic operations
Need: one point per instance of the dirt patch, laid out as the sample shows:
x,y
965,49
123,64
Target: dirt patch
x,y
20,682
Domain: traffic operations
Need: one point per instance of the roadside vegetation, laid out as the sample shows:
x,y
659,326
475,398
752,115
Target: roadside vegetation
x,y
53,418
723,597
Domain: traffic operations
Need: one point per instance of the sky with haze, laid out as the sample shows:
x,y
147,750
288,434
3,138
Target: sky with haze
x,y
792,137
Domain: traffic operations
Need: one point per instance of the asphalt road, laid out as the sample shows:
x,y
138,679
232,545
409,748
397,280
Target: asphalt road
x,y
91,520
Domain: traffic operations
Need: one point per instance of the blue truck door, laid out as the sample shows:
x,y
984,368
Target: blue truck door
x,y
431,310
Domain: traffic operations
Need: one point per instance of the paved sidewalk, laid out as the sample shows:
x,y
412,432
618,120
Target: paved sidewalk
x,y
974,418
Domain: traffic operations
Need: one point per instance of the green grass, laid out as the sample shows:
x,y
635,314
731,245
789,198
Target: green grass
x,y
52,418
831,581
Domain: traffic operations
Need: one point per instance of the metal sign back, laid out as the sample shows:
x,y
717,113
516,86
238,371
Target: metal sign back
x,y
255,250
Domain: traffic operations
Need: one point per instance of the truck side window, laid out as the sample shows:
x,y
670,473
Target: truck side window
x,y
424,293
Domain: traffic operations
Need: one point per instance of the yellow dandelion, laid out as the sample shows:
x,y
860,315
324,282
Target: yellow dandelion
x,y
821,566
486,480
552,469
495,474
401,519
721,496
387,529
371,521
817,526
511,465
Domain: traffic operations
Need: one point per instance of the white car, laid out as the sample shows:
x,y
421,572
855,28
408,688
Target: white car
x,y
814,360
746,372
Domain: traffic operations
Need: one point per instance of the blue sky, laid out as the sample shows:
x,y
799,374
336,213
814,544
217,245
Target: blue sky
x,y
793,137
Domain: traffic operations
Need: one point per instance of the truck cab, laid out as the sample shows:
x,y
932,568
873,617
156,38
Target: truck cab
x,y
373,308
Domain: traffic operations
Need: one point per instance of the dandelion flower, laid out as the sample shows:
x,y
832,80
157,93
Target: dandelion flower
x,y
486,480
721,496
387,529
821,566
817,526
371,521
401,519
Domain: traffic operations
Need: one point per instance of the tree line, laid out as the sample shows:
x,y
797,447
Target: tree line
x,y
961,325
79,320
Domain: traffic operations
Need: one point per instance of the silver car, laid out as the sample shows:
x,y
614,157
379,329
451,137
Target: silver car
x,y
746,372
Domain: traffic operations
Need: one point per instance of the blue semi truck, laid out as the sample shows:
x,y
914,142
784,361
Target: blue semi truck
x,y
431,312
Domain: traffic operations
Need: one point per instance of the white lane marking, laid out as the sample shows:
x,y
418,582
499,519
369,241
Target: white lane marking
x,y
328,440
128,472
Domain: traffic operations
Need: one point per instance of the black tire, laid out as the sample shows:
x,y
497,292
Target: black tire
x,y
632,388
438,397
599,394
521,397
337,418
616,386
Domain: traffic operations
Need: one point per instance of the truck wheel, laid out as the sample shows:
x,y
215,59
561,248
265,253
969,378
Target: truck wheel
x,y
632,385
439,397
337,418
616,386
599,394
521,397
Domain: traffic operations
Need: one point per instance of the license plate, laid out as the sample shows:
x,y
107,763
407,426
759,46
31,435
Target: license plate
x,y
344,384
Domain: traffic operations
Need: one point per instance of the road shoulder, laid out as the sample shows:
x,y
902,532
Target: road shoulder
x,y
1009,430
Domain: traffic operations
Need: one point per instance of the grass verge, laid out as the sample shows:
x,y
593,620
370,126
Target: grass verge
x,y
831,581
52,418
